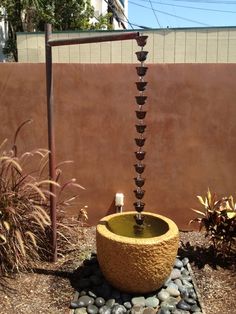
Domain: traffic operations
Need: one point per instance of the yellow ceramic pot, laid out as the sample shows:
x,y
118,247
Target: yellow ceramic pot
x,y
141,263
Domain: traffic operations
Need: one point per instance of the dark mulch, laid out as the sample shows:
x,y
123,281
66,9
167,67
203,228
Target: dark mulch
x,y
48,290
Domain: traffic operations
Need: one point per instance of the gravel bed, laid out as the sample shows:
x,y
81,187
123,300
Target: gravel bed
x,y
94,294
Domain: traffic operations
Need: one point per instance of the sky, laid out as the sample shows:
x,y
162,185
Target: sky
x,y
178,13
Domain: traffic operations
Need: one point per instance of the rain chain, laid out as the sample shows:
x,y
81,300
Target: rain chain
x,y
140,128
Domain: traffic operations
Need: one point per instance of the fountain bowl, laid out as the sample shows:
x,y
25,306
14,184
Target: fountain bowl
x,y
136,263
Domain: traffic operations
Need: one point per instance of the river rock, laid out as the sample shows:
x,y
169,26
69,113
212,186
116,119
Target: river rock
x,y
99,301
149,310
172,285
127,305
187,284
185,261
173,291
92,309
175,273
110,302
152,301
163,295
178,263
81,310
163,311
85,300
182,305
104,310
195,308
138,301
118,309
137,309
190,301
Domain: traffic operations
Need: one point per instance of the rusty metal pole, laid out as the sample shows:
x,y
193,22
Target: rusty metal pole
x,y
51,140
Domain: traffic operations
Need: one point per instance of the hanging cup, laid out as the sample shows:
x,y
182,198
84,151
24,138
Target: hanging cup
x,y
139,182
139,206
141,55
139,193
141,86
141,100
140,114
141,71
140,141
139,168
141,40
140,128
140,155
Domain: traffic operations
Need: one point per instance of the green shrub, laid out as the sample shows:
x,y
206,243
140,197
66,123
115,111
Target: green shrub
x,y
219,221
24,207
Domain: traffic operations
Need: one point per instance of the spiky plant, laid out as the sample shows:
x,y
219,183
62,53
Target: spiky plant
x,y
219,221
24,206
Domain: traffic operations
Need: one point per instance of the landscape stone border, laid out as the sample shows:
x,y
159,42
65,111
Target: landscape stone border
x,y
94,295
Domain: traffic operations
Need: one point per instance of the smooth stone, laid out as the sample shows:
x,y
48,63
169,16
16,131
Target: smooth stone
x,y
186,277
178,263
184,291
185,272
197,312
138,301
178,282
83,293
110,302
92,309
149,310
183,305
175,273
173,291
166,283
137,309
81,310
127,305
163,311
118,309
172,285
195,308
165,305
177,312
92,294
190,301
152,301
163,295
74,304
85,300
104,310
172,300
95,280
193,294
186,283
84,283
185,261
99,301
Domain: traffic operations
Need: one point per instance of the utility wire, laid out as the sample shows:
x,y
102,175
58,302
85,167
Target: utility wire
x,y
189,7
117,17
154,12
166,13
207,1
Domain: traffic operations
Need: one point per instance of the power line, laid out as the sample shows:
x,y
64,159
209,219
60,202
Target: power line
x,y
189,7
154,12
207,1
166,13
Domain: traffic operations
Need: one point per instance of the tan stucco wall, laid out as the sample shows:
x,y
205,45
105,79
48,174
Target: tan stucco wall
x,y
186,45
191,133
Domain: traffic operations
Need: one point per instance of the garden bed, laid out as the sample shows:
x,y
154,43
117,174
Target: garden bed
x,y
48,289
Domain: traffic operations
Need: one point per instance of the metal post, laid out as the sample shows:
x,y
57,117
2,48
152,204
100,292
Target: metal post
x,y
51,140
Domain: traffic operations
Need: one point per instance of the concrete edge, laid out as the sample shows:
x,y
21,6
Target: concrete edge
x,y
196,289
